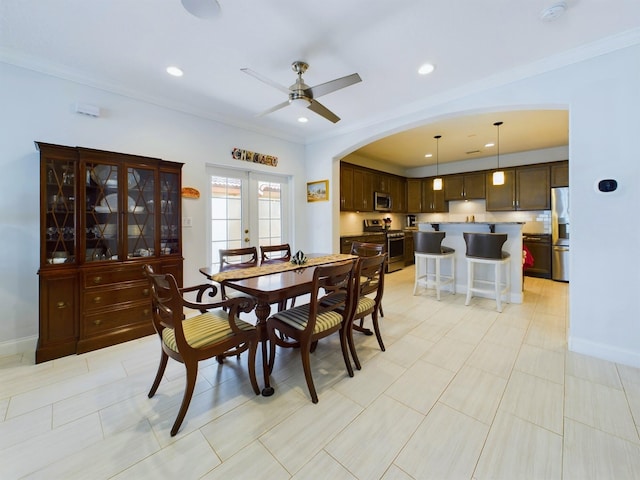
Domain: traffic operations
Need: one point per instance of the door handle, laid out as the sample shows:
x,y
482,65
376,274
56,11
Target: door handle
x,y
246,239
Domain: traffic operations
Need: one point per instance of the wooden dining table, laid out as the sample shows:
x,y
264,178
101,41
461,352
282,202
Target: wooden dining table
x,y
272,284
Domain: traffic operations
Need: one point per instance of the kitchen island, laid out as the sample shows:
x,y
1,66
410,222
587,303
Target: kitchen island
x,y
455,240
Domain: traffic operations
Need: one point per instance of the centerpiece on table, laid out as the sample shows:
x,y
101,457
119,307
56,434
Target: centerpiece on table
x,y
299,258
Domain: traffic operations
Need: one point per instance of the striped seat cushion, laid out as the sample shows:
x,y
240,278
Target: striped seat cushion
x,y
365,304
298,318
204,329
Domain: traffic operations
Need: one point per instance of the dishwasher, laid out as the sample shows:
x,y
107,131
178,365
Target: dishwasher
x,y
540,247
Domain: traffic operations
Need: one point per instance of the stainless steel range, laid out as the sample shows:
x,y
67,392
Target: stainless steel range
x,y
394,243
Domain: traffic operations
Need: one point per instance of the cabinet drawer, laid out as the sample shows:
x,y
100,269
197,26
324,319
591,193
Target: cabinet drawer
x,y
116,319
130,273
97,298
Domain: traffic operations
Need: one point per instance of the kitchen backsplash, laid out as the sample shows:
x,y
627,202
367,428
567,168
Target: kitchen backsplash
x,y
535,221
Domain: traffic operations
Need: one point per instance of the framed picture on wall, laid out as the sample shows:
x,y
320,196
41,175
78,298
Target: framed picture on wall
x,y
318,191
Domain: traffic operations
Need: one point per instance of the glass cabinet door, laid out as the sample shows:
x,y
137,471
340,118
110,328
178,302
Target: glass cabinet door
x,y
102,222
140,225
60,237
169,213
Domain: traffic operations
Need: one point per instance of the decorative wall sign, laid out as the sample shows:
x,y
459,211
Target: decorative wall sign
x,y
247,156
318,191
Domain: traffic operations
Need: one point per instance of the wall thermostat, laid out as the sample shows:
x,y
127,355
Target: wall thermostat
x,y
607,185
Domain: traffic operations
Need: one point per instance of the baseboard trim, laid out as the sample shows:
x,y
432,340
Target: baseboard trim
x,y
18,346
605,352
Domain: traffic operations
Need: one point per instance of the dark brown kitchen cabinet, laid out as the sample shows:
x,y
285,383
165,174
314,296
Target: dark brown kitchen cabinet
x,y
362,190
346,187
525,188
414,195
356,188
501,197
382,182
533,188
560,174
409,256
432,200
467,186
398,194
103,215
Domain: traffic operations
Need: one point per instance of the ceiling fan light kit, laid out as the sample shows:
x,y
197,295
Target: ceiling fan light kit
x,y
302,94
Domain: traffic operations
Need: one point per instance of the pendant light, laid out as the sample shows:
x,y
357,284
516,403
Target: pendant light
x,y
498,175
437,182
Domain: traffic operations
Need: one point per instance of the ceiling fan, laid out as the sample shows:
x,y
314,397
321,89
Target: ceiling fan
x,y
305,95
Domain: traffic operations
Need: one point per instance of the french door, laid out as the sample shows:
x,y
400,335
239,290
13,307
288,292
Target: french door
x,y
246,209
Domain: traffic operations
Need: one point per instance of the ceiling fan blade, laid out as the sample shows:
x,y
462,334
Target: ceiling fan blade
x,y
333,85
202,8
273,109
266,80
323,111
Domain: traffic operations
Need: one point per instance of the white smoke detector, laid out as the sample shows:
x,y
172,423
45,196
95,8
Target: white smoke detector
x,y
553,12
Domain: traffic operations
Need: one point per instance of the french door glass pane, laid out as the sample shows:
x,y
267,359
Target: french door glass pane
x,y
226,214
246,210
269,213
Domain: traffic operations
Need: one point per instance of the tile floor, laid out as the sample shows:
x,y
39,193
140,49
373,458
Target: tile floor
x,y
460,393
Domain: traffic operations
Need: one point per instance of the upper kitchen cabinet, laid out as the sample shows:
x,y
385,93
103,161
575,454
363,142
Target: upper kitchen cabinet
x,y
414,195
432,200
560,174
501,197
346,187
467,186
382,182
103,216
533,188
525,188
362,190
398,194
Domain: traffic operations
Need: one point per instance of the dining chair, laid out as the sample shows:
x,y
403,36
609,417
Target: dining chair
x,y
235,258
366,249
277,254
211,333
368,279
301,327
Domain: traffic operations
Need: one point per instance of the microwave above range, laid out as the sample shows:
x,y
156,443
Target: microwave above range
x,y
381,202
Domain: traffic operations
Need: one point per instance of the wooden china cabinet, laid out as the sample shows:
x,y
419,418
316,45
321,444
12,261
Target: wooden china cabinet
x,y
103,215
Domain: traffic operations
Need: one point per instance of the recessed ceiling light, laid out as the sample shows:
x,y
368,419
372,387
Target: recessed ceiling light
x,y
428,155
426,69
487,145
174,71
303,119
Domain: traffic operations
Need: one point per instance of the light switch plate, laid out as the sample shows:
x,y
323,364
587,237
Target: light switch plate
x,y
187,222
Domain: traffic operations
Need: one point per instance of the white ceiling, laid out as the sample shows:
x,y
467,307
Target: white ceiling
x,y
124,46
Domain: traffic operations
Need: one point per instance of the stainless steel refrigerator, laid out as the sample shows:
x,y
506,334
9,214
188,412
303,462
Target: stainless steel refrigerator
x,y
560,213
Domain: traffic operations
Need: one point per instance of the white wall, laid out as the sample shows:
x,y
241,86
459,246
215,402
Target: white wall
x,y
39,107
603,100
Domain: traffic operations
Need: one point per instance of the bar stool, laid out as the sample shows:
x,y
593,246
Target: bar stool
x,y
427,247
486,248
